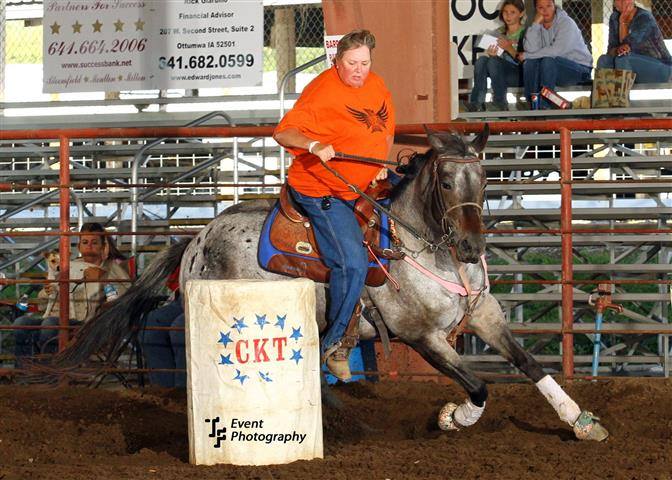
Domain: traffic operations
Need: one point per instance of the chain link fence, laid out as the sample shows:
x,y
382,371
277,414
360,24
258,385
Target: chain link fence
x,y
293,34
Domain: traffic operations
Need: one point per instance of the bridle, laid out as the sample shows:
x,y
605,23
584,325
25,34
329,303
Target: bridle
x,y
438,199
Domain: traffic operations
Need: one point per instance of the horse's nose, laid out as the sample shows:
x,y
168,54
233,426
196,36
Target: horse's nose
x,y
466,252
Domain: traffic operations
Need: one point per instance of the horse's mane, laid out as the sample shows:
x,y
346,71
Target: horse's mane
x,y
409,169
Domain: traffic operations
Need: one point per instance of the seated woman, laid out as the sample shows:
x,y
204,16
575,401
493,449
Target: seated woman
x,y
504,70
555,52
99,260
636,44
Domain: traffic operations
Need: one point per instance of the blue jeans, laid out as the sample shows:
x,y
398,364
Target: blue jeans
x,y
550,72
648,69
339,239
502,73
31,342
165,348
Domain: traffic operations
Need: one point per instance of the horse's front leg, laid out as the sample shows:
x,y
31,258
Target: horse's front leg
x,y
437,351
489,323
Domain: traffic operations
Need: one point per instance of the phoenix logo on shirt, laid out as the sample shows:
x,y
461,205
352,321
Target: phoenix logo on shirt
x,y
373,121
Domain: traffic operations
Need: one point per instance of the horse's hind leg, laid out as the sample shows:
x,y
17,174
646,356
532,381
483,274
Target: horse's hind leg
x,y
488,322
435,349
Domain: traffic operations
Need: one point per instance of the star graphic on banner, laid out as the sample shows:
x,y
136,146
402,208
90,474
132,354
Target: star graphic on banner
x,y
281,321
265,377
296,355
97,26
55,28
76,27
139,25
120,78
240,377
86,79
296,334
225,359
118,26
261,321
224,338
239,324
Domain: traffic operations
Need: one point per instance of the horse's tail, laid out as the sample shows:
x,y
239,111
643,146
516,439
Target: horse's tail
x,y
121,317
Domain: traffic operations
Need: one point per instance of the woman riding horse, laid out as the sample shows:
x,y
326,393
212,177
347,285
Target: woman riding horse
x,y
347,108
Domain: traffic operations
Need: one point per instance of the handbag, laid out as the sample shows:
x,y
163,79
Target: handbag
x,y
611,88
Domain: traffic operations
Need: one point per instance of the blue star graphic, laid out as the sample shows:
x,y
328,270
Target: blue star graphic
x,y
281,321
261,321
239,324
296,355
296,334
225,359
224,339
240,377
265,377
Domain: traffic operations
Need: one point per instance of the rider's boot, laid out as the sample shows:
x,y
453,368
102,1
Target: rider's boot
x,y
337,357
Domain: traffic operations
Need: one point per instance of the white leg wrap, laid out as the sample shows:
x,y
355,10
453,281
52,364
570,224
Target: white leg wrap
x,y
566,408
467,414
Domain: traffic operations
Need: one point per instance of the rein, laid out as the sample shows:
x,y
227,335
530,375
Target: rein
x,y
445,227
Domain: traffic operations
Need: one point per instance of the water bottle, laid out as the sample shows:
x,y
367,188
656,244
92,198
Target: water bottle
x,y
110,292
22,304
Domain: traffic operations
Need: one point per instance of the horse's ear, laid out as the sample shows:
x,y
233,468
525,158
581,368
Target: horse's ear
x,y
481,139
434,139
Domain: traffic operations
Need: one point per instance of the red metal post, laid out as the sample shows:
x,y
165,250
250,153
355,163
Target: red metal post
x,y
567,255
64,245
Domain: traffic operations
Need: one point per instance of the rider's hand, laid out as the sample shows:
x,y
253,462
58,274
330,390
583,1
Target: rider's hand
x,y
382,175
324,152
623,50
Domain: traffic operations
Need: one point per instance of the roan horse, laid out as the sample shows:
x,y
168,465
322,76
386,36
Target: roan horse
x,y
441,197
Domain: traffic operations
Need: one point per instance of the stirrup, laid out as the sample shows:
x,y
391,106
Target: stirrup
x,y
337,358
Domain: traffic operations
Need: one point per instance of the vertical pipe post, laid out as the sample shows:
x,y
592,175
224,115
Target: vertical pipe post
x,y
567,258
64,245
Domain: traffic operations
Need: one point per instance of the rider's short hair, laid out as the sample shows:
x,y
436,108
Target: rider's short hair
x,y
355,39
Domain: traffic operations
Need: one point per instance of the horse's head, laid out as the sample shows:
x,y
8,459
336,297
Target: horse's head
x,y
455,190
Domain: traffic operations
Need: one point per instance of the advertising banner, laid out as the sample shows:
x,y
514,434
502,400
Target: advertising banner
x,y
112,45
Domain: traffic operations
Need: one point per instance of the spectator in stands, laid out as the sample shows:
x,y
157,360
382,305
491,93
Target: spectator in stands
x,y
99,260
636,44
503,68
555,52
164,349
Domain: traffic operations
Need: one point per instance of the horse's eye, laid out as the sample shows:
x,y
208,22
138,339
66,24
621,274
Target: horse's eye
x,y
446,185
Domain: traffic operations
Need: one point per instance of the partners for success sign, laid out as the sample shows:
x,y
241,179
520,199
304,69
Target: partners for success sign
x,y
111,45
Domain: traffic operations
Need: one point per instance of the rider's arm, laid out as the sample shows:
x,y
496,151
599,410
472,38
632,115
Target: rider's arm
x,y
293,138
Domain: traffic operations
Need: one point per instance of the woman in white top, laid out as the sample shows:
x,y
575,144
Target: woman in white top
x,y
99,260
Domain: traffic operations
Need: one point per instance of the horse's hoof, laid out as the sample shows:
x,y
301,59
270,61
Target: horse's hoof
x,y
588,427
446,421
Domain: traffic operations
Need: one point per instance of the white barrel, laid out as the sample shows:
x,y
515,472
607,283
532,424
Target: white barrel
x,y
253,372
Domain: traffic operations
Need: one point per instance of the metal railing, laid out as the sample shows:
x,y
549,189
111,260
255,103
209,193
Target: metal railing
x,y
567,328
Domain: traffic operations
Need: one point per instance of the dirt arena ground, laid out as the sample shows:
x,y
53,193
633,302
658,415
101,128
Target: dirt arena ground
x,y
76,433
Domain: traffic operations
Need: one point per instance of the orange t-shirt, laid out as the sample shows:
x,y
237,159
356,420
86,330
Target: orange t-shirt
x,y
356,121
